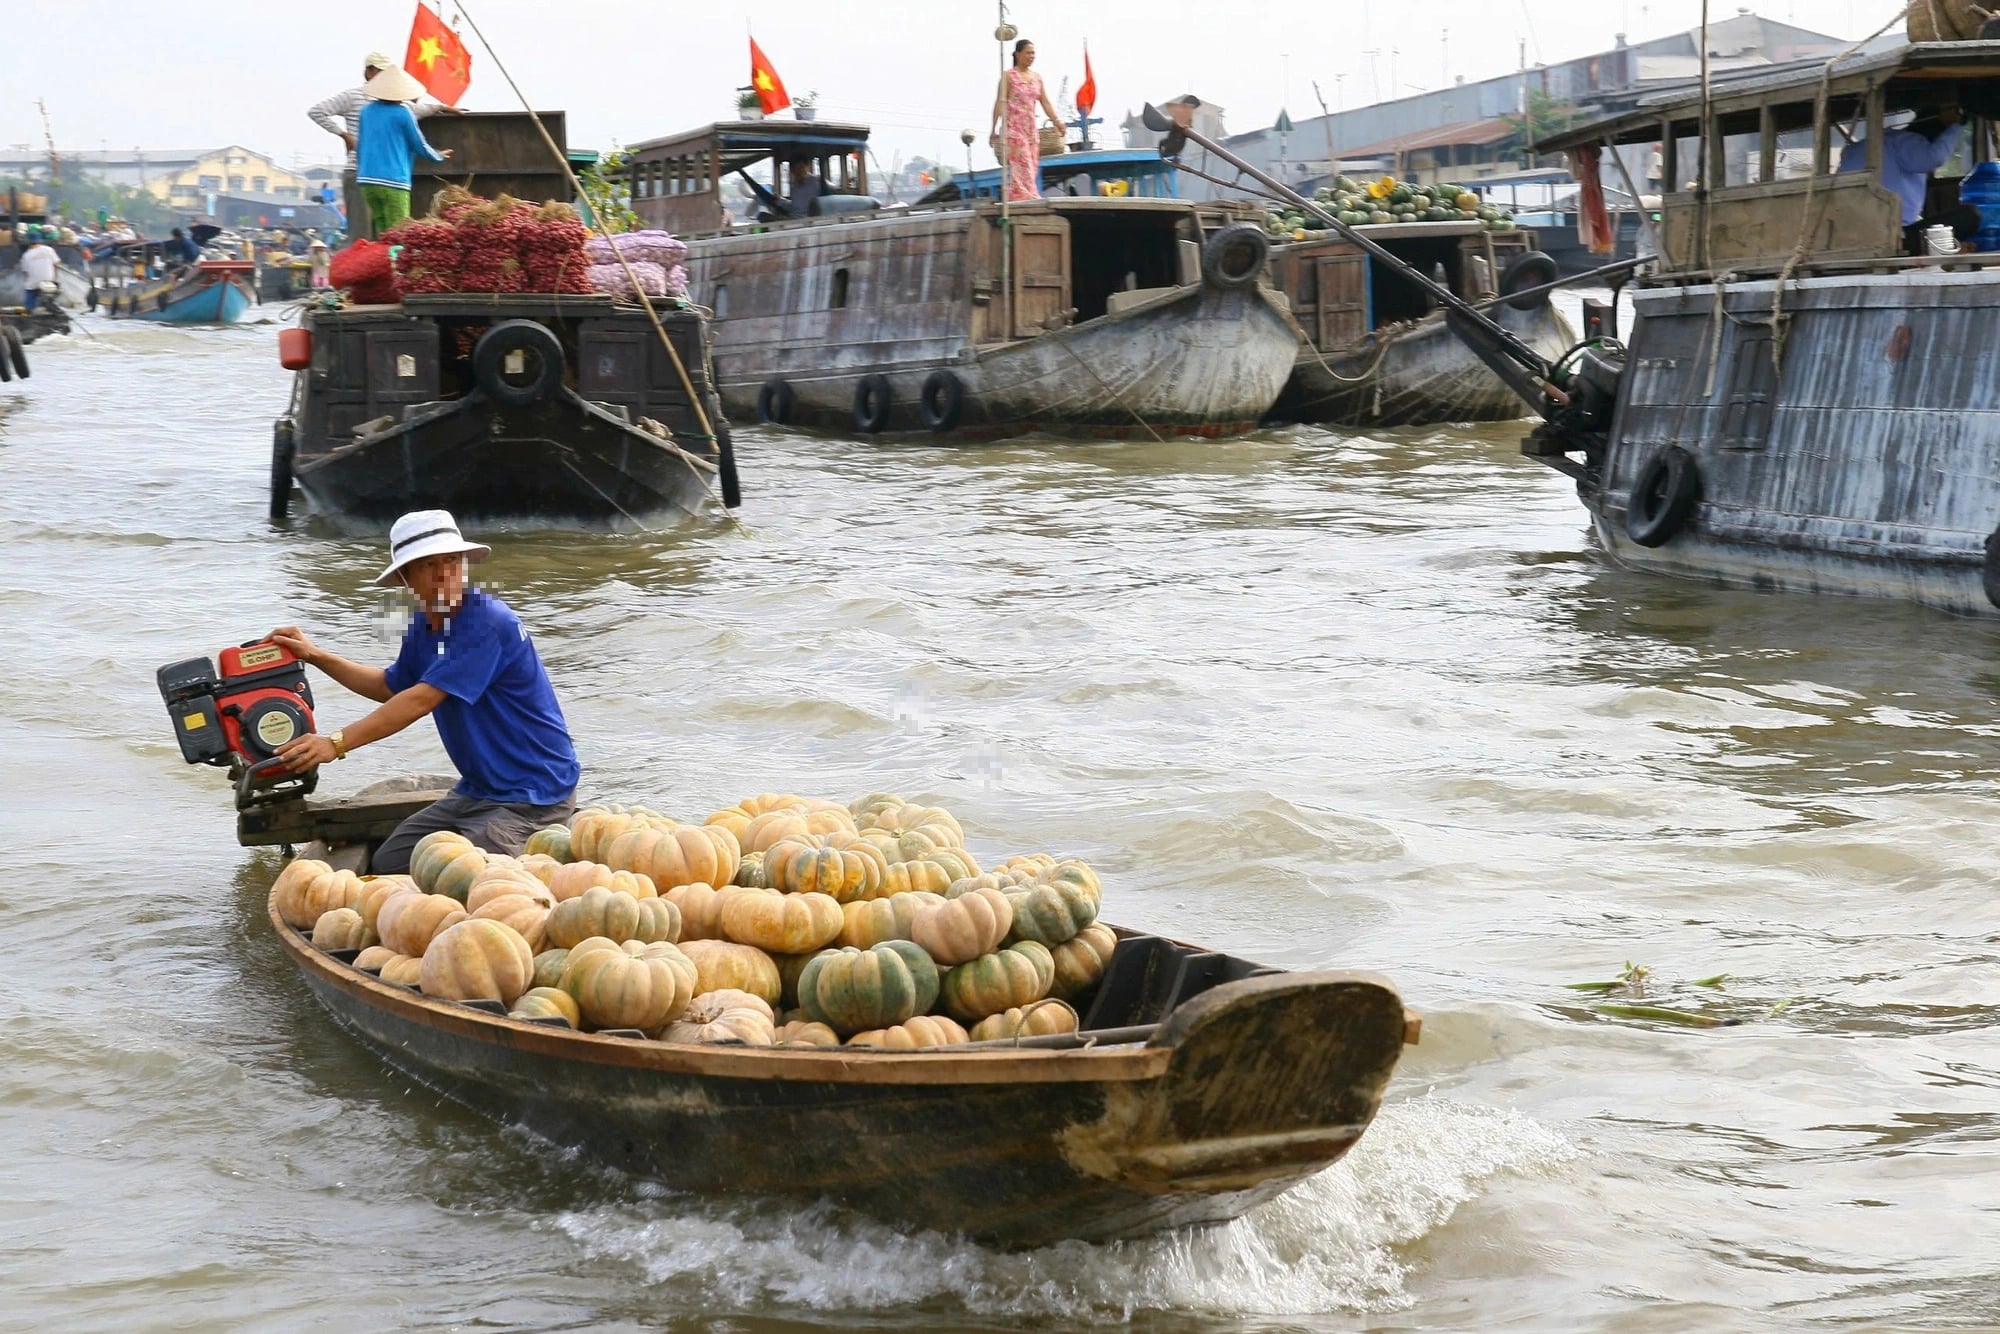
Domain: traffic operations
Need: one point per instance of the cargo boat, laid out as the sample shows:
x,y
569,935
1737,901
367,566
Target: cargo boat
x,y
211,291
1201,1086
503,405
1077,315
1800,405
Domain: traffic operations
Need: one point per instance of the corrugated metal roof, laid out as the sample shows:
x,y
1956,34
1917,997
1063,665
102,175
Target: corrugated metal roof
x,y
1481,132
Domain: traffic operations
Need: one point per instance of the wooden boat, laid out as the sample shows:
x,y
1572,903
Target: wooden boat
x,y
41,322
1374,349
501,406
212,291
1201,1086
1094,316
1854,455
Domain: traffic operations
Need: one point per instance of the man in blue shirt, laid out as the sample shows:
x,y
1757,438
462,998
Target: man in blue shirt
x,y
468,663
1909,156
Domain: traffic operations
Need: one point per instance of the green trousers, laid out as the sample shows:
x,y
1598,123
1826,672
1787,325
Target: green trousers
x,y
387,206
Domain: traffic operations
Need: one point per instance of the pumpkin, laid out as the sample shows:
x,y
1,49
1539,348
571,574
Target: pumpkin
x,y
780,923
934,822
789,968
923,1030
342,929
528,916
569,881
750,872
306,889
1074,873
375,891
998,982
593,829
1000,880
701,910
794,822
841,865
549,841
549,966
614,989
806,1033
539,1002
606,912
678,855
431,853
1051,911
1082,959
1044,1018
722,966
402,970
454,878
540,865
868,922
507,886
737,818
408,921
1033,864
477,959
725,1016
371,959
954,931
850,990
865,809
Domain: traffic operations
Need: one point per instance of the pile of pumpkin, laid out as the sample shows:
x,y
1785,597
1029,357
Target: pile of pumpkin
x,y
780,921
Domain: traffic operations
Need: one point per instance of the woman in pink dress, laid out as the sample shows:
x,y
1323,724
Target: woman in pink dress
x,y
1014,116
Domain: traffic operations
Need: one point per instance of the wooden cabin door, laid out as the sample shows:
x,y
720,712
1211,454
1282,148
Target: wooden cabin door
x,y
1342,283
1041,274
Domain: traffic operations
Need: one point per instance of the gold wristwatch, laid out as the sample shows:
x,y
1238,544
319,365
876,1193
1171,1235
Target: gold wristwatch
x,y
339,745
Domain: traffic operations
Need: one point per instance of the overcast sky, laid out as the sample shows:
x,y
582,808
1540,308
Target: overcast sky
x,y
122,75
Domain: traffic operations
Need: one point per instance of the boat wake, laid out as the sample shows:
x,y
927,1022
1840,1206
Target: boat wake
x,y
1333,1244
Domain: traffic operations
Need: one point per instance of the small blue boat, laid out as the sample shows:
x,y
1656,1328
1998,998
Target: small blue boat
x,y
215,291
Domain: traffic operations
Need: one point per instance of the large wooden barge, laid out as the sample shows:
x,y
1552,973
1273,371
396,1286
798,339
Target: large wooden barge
x,y
1801,405
1199,1086
1096,316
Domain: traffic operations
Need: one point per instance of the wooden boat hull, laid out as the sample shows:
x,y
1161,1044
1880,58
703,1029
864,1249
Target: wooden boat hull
x,y
203,297
42,323
1197,360
1419,375
1866,470
557,459
1244,1090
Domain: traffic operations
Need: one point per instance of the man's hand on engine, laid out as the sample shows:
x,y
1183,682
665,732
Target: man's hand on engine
x,y
303,754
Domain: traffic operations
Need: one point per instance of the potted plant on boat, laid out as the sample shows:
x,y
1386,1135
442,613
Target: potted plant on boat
x,y
747,105
806,105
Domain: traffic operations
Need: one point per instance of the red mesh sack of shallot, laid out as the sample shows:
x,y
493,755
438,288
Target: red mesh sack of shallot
x,y
362,268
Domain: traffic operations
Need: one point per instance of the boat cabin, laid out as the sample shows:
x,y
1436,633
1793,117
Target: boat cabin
x,y
1108,173
684,183
1761,176
1339,294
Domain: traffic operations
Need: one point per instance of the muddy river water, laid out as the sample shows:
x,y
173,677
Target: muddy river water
x,y
1320,699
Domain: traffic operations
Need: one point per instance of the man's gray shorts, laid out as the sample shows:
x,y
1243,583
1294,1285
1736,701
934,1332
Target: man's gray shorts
x,y
492,826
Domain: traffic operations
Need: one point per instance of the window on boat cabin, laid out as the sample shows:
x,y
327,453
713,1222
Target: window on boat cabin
x,y
720,305
1118,251
838,299
1394,298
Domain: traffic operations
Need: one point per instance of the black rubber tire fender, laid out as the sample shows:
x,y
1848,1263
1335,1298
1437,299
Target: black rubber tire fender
x,y
775,401
1235,256
1989,572
284,448
90,298
1534,269
6,361
871,404
1663,497
489,360
17,351
942,400
725,455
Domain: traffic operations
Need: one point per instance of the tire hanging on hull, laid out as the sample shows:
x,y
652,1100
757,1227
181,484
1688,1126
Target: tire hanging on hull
x,y
1663,496
871,404
942,401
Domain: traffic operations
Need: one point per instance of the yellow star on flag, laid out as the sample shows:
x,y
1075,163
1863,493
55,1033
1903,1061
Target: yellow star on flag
x,y
428,52
763,81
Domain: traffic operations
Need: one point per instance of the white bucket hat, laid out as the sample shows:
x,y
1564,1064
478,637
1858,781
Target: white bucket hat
x,y
393,84
377,61
424,533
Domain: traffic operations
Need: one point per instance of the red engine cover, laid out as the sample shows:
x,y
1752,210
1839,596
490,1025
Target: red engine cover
x,y
263,701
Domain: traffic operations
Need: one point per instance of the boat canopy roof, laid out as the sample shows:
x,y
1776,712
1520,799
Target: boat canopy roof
x,y
743,143
1912,75
1115,172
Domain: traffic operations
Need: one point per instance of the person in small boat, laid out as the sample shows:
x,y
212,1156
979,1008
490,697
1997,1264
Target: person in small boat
x,y
38,270
178,251
468,663
388,146
1909,156
1014,124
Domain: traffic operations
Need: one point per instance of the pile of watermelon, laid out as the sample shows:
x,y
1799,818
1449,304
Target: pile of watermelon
x,y
1388,200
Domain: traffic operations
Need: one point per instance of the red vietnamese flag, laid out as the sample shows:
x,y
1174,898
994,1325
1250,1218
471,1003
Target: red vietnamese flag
x,y
764,81
437,58
1086,93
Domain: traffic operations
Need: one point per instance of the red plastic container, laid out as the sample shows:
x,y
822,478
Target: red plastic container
x,y
295,349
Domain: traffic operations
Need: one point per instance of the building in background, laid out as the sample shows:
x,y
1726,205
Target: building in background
x,y
234,170
1475,131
